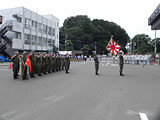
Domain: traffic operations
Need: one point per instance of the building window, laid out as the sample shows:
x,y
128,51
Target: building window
x,y
49,31
44,43
34,25
53,32
49,43
27,23
18,35
39,41
27,38
39,25
34,40
44,29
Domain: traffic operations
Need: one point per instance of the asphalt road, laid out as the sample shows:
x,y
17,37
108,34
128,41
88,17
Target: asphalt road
x,y
81,95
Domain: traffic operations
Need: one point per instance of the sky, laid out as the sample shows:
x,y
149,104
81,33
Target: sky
x,y
131,15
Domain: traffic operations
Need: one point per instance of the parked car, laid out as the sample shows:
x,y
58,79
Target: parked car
x,y
3,59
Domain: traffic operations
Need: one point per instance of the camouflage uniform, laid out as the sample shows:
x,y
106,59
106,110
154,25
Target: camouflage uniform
x,y
96,64
15,65
67,63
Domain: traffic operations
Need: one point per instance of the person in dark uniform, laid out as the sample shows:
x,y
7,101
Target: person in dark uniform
x,y
15,65
121,62
67,63
96,64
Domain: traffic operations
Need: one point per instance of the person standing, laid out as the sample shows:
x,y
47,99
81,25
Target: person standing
x,y
67,63
33,64
15,65
24,66
96,64
121,62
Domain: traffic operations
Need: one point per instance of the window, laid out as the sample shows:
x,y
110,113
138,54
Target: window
x,y
49,31
44,43
18,35
27,23
44,29
40,26
53,32
39,41
34,40
49,43
27,38
34,25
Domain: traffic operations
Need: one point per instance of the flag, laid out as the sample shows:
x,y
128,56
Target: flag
x,y
113,47
28,63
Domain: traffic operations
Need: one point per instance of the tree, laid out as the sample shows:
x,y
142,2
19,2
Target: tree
x,y
85,49
141,44
55,49
69,45
82,31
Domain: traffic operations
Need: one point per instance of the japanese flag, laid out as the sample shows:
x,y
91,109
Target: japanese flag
x,y
113,47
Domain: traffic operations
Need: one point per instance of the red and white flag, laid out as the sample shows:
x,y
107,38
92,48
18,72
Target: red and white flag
x,y
28,63
113,47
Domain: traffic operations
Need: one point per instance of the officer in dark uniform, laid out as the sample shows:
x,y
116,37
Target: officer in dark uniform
x,y
15,65
67,63
121,62
96,64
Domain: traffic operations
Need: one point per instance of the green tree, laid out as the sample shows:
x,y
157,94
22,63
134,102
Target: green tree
x,y
69,45
85,49
141,44
55,49
83,31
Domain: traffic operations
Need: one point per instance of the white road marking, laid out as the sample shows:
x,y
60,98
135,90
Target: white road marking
x,y
143,116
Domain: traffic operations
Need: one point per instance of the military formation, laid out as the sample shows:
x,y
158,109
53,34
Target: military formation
x,y
41,64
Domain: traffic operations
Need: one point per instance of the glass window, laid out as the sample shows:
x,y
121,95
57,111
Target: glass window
x,y
18,35
34,25
39,41
44,29
34,40
49,31
27,38
53,32
27,23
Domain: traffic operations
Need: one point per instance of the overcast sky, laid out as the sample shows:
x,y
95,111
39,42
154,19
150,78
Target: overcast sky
x,y
132,15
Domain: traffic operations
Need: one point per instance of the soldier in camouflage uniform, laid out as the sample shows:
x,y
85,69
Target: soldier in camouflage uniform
x,y
121,62
49,63
24,66
67,63
63,63
33,64
39,64
15,65
96,64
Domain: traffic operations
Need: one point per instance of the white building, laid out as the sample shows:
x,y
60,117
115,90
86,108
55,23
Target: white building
x,y
28,30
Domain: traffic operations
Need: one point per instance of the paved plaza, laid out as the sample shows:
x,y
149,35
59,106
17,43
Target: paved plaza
x,y
81,95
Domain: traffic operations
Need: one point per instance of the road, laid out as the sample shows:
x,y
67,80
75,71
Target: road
x,y
81,95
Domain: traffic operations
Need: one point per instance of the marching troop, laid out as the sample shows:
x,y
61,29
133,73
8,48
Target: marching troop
x,y
40,64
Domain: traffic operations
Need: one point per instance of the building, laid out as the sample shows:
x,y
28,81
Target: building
x,y
154,19
23,29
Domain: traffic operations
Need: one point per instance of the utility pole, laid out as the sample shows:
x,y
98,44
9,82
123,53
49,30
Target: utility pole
x,y
95,47
65,40
155,50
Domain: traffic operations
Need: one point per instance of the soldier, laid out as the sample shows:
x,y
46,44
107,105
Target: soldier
x,y
24,66
67,63
15,65
33,64
63,63
96,64
39,64
49,63
121,62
